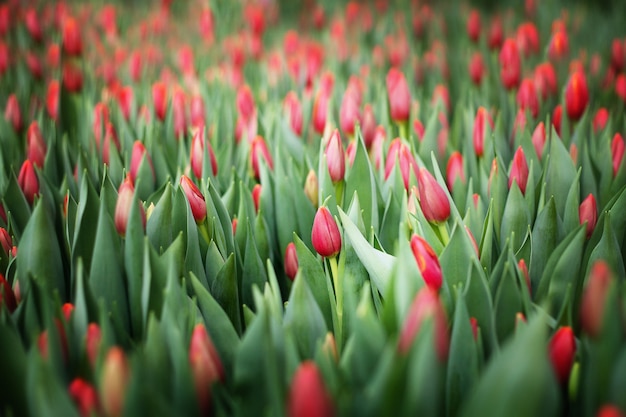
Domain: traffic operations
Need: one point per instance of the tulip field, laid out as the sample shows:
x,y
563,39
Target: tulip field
x,y
317,208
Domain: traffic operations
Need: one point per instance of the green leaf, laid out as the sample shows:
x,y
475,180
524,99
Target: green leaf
x,y
253,270
225,290
360,180
560,173
49,395
133,266
159,227
544,240
515,219
13,361
508,302
456,256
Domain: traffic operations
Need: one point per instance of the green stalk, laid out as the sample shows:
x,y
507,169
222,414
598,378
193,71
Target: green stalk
x,y
334,271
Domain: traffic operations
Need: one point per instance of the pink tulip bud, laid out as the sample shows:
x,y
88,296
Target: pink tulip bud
x,y
234,224
519,170
85,397
311,187
592,306
293,109
114,379
72,38
368,126
206,366
479,133
419,129
256,196
258,149
426,305
427,262
245,103
433,199
454,169
325,234
576,95
562,350
510,64
8,297
28,181
5,241
33,24
291,261
617,152
618,54
600,119
588,213
476,68
124,98
307,394
527,97
67,309
335,157
474,25
539,139
195,198
196,158
179,112
12,113
398,95
138,156
159,99
125,199
400,151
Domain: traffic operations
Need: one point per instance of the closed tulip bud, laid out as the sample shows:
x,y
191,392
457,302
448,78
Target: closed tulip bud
x,y
476,68
556,119
52,100
609,410
179,112
594,298
351,152
519,170
473,26
196,159
576,95
527,97
135,66
401,151
124,98
474,325
398,95
85,397
368,126
159,99
258,150
8,296
291,261
325,234
617,152
245,103
311,187
197,203
559,46
12,113
197,112
206,366
600,119
545,80
67,309
100,119
426,305
524,270
125,199
114,379
539,139
618,54
110,135
256,196
620,87
72,38
427,262
335,157
33,25
496,34
562,350
28,181
480,130
307,394
93,340
139,156
293,109
72,77
419,129
510,65
433,199
5,241
527,38
588,213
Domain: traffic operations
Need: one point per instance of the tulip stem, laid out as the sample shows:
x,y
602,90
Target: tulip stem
x,y
403,128
339,186
442,231
204,231
334,271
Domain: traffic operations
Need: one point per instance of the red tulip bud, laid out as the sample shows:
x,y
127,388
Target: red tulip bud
x,y
418,128
527,38
159,99
426,305
495,35
527,97
556,119
5,241
28,181
93,340
524,270
138,156
325,234
620,87
245,103
114,381
618,54
293,109
562,350
335,157
480,132
454,169
125,198
545,80
124,97
52,99
72,38
206,366
368,126
592,306
401,153
473,26
307,394
476,68
12,113
519,170
311,187
258,149
474,324
320,111
195,198
33,25
511,65
559,46
398,95
609,410
427,262
588,213
179,112
576,95
67,309
291,261
196,158
433,199
8,297
600,119
617,152
85,397
539,139
72,77
256,196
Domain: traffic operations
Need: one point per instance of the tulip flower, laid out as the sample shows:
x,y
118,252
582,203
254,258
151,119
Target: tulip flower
x,y
426,305
495,34
197,203
72,38
12,113
600,119
527,97
196,159
618,54
400,152
559,46
539,139
5,241
510,65
125,198
476,68
291,261
8,297
93,340
245,103
433,199
33,25
594,297
311,187
480,132
556,119
256,196
206,366
427,262
335,157
85,397
28,181
519,170
562,350
159,99
545,80
576,95
620,87
67,309
527,38
258,150
524,270
588,213
617,152
72,77
473,26
398,95
4,58
293,109
100,119
368,126
114,379
139,156
307,394
325,235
